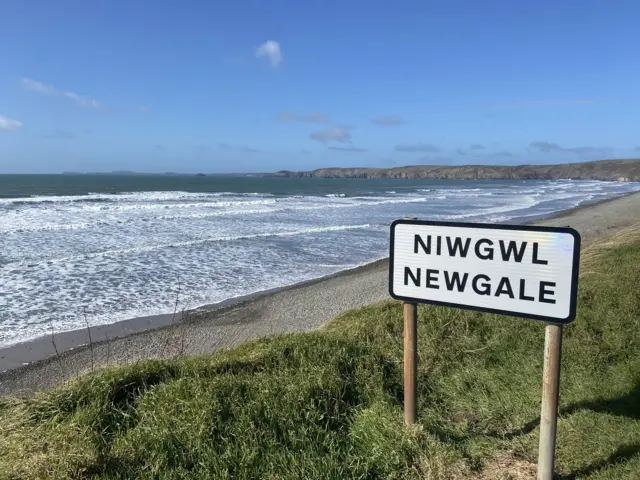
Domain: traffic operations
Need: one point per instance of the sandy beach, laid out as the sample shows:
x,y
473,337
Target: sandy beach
x,y
47,361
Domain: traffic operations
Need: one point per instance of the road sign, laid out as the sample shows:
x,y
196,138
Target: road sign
x,y
524,271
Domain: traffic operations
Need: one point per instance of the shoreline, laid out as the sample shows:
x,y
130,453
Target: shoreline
x,y
78,337
32,351
303,306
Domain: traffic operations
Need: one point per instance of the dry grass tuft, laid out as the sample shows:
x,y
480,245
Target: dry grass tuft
x,y
595,249
507,466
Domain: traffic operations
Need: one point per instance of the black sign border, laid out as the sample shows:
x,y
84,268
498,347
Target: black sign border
x,y
489,226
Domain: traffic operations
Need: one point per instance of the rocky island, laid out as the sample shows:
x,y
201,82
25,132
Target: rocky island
x,y
610,170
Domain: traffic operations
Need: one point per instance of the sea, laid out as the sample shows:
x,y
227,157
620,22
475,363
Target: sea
x,y
121,247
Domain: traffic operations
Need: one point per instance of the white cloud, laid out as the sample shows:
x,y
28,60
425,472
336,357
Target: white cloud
x,y
248,149
339,133
312,117
38,87
348,149
270,49
45,89
502,153
417,147
83,102
9,124
549,147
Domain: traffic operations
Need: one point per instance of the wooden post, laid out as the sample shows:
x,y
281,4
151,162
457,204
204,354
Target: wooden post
x,y
549,410
410,358
410,361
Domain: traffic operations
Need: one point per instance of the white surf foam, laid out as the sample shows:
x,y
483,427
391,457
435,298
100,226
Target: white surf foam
x,y
119,254
31,262
127,197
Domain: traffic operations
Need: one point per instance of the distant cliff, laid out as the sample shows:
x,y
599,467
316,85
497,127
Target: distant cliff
x,y
612,170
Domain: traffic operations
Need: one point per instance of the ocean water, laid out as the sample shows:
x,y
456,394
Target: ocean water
x,y
121,247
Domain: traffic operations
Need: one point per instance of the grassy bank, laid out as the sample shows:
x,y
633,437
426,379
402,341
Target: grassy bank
x,y
328,404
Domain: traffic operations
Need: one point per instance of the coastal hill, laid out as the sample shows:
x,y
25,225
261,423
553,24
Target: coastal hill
x,y
612,170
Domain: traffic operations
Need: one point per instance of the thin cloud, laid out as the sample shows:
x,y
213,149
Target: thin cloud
x,y
545,147
46,89
82,101
502,154
416,147
287,116
388,120
272,51
312,117
8,124
226,146
590,151
473,149
348,149
570,101
248,150
337,133
63,135
39,87
549,147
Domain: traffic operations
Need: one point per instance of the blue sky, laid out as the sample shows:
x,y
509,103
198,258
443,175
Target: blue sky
x,y
261,86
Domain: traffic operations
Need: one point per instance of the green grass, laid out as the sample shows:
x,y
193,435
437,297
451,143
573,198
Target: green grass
x,y
328,404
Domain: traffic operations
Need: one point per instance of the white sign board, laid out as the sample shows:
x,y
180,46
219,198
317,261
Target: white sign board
x,y
524,271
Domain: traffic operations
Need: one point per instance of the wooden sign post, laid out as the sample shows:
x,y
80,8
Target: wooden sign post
x,y
410,361
549,410
519,270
